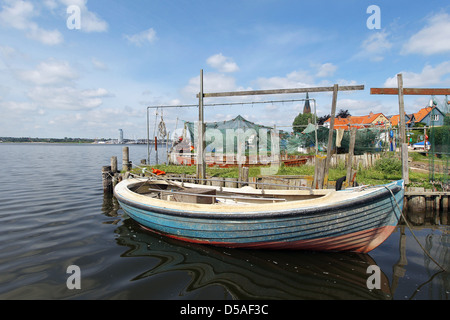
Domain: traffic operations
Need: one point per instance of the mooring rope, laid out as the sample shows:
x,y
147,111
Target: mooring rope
x,y
410,229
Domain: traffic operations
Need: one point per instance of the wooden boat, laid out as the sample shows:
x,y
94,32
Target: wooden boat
x,y
355,219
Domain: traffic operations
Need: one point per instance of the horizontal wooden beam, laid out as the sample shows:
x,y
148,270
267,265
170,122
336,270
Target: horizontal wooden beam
x,y
412,91
280,91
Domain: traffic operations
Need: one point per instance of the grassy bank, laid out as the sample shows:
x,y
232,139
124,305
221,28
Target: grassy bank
x,y
387,169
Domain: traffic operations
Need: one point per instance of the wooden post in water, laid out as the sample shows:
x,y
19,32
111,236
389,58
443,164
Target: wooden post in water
x,y
126,165
114,171
107,179
114,165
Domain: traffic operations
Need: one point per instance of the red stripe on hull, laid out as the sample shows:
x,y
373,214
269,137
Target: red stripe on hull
x,y
362,241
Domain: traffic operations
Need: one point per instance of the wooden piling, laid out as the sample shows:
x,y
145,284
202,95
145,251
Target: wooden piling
x,y
156,150
126,164
319,173
351,152
445,204
244,176
330,133
417,204
114,165
107,179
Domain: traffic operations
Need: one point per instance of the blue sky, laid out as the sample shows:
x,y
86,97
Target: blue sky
x,y
89,82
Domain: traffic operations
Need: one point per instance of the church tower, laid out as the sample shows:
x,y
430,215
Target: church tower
x,y
307,107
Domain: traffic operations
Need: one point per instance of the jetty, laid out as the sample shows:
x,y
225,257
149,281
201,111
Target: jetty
x,y
419,201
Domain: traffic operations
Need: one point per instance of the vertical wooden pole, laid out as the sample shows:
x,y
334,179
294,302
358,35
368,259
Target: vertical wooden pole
x,y
404,144
201,167
401,106
167,147
244,176
351,152
330,134
107,179
156,149
114,165
148,137
126,159
319,172
405,166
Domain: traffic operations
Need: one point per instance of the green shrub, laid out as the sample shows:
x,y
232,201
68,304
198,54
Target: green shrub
x,y
389,165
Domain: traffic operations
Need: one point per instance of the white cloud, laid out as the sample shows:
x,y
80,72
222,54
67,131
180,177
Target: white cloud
x,y
6,52
13,107
99,65
433,38
428,77
90,22
326,70
139,39
375,46
212,82
361,107
48,37
295,79
50,72
222,63
18,14
67,98
51,4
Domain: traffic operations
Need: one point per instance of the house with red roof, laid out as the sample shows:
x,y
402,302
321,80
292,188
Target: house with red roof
x,y
369,121
430,116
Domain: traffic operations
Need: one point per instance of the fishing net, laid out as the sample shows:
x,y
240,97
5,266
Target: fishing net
x,y
231,133
439,138
368,140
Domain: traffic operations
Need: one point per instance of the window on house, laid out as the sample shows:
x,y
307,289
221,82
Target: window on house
x,y
435,117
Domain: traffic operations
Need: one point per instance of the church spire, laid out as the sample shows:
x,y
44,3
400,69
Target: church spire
x,y
307,107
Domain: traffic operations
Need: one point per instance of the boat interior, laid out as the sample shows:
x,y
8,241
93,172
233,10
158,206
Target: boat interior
x,y
205,194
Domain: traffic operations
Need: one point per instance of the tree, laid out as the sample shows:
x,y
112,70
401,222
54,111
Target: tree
x,y
447,119
301,121
343,114
321,120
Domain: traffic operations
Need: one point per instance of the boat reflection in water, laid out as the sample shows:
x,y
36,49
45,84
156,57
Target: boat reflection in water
x,y
255,274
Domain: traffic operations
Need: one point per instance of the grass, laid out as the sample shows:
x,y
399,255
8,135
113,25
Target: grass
x,y
387,169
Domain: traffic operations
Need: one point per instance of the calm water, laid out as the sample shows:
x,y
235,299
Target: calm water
x,y
53,214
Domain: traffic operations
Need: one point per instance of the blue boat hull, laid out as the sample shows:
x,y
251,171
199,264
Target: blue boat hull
x,y
358,224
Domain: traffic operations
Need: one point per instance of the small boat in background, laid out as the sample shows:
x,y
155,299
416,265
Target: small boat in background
x,y
355,219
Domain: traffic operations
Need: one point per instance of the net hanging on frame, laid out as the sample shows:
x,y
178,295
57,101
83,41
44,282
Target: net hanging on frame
x,y
439,139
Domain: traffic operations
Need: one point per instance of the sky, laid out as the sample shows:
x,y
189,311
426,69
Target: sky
x,y
87,68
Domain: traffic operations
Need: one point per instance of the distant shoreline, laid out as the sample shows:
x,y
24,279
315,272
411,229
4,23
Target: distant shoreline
x,y
73,140
47,140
